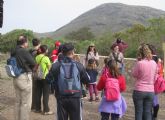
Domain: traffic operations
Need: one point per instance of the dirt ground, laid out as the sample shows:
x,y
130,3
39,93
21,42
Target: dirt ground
x,y
90,110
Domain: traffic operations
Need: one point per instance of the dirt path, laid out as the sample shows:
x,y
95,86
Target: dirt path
x,y
7,98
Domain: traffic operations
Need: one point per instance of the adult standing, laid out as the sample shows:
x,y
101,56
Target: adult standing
x,y
34,52
118,57
144,72
122,45
42,86
69,105
54,54
92,54
23,83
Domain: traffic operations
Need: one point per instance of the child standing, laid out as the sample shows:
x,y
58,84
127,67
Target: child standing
x,y
92,72
156,99
115,108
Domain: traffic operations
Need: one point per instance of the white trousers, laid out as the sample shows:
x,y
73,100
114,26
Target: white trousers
x,y
23,90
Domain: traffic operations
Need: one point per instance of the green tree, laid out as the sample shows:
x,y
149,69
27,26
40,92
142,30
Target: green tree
x,y
8,40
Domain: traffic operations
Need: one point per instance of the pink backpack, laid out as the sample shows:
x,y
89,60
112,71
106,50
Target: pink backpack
x,y
112,89
159,85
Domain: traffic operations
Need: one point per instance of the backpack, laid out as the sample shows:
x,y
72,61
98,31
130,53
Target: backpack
x,y
69,79
112,89
39,72
159,85
12,68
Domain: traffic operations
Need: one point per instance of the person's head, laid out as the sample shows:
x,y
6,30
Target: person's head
x,y
91,64
118,40
68,50
57,44
35,42
76,58
22,41
152,48
92,48
115,48
144,52
43,49
113,69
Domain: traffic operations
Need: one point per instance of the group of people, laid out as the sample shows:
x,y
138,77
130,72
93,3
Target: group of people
x,y
66,77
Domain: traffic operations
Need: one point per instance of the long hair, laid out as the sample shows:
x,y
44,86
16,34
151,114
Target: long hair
x,y
113,69
91,64
88,50
144,52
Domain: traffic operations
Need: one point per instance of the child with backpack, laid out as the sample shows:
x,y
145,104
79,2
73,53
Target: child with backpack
x,y
92,72
112,103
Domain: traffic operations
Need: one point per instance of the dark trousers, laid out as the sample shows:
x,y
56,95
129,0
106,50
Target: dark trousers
x,y
105,116
69,108
143,105
155,111
33,106
42,89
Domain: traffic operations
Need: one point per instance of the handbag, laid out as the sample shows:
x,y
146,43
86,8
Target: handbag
x,y
159,85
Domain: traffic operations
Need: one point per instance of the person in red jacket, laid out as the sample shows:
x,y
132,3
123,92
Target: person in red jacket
x,y
122,45
54,55
116,108
121,78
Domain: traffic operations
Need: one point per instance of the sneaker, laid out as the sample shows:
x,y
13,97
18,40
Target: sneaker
x,y
90,100
33,110
37,111
97,99
48,113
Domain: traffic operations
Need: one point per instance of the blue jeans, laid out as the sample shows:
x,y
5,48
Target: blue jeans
x,y
143,105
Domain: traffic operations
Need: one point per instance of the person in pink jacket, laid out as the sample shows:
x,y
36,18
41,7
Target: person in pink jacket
x,y
144,72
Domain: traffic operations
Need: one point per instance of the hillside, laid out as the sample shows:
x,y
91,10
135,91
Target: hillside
x,y
106,17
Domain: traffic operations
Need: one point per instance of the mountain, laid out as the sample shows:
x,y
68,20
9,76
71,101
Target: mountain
x,y
108,17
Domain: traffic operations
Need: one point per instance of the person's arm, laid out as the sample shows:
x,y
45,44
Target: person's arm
x,y
28,58
122,83
101,83
124,45
135,70
97,56
122,57
83,74
48,63
53,73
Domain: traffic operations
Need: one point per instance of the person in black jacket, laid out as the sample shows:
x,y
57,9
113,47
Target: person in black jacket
x,y
34,52
68,106
23,83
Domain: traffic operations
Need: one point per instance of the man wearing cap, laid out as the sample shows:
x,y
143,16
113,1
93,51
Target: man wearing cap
x,y
54,55
68,107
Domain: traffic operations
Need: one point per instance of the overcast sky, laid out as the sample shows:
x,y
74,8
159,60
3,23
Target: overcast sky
x,y
49,15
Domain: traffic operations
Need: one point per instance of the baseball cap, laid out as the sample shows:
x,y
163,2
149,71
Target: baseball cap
x,y
57,43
